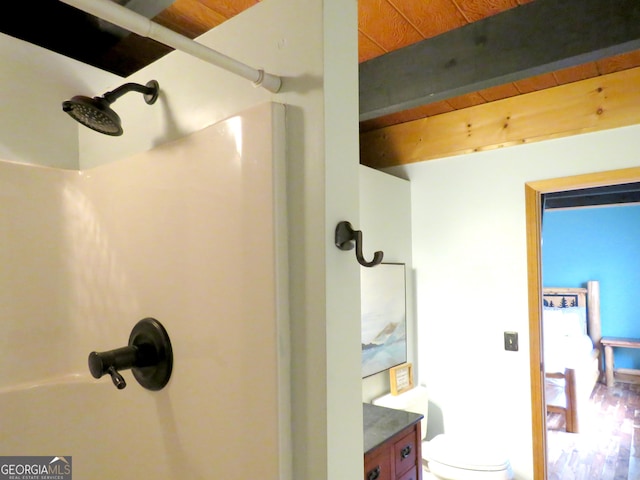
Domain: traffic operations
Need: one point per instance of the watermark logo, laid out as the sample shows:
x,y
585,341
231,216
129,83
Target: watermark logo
x,y
35,468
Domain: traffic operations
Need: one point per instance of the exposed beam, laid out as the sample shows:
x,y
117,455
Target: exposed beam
x,y
599,103
535,38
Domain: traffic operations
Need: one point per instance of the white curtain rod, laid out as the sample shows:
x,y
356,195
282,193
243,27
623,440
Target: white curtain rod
x,y
136,23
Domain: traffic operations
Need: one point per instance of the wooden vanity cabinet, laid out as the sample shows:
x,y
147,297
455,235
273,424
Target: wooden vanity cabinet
x,y
392,442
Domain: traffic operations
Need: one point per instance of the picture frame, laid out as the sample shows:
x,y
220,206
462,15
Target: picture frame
x,y
383,317
401,378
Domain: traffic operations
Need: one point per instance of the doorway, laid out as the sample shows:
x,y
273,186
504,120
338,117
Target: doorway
x,y
534,194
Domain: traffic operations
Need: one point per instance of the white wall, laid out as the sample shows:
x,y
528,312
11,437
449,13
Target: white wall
x,y
470,257
34,82
313,45
385,221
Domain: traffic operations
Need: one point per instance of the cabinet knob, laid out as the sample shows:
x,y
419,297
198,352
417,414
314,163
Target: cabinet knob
x,y
374,474
405,452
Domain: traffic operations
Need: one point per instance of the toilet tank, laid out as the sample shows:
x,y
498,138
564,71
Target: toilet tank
x,y
415,400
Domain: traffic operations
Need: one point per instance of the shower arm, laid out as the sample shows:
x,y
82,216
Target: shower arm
x,y
115,94
136,23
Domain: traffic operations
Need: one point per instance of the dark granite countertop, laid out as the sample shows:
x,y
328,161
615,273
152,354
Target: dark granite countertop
x,y
381,423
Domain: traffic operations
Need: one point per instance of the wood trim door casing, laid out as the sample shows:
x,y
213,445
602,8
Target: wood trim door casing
x,y
533,202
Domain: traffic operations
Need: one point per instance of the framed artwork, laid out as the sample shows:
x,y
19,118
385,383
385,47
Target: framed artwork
x,y
383,316
401,378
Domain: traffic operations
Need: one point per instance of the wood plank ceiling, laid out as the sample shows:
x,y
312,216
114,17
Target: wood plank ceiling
x,y
383,26
388,25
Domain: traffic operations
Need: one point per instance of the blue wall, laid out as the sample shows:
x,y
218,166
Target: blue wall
x,y
599,244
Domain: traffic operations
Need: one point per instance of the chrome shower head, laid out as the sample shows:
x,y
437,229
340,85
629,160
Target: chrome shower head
x,y
96,112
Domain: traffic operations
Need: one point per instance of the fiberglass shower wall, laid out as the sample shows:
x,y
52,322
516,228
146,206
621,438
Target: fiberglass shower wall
x,y
191,233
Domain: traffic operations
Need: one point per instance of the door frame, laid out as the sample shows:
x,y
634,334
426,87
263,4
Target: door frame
x,y
533,200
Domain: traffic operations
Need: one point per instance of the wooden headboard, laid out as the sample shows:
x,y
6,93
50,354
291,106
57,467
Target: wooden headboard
x,y
578,297
564,297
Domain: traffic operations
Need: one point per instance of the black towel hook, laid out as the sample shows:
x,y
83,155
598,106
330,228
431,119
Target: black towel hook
x,y
346,238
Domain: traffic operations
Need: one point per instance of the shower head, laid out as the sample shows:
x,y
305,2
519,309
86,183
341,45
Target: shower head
x,y
96,112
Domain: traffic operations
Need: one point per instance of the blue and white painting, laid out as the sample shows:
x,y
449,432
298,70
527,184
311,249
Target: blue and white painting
x,y
384,322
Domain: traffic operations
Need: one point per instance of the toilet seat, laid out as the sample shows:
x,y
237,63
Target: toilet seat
x,y
465,459
445,472
451,457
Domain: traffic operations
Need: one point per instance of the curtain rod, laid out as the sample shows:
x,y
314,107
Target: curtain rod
x,y
136,23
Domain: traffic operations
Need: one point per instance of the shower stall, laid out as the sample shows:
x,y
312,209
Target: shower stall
x,y
191,233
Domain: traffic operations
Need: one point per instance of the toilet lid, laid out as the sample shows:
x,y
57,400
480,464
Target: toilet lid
x,y
464,453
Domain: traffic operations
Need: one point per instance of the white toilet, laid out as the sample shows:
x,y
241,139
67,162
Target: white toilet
x,y
445,456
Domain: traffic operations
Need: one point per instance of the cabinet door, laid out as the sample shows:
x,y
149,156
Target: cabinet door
x,y
377,464
410,475
405,453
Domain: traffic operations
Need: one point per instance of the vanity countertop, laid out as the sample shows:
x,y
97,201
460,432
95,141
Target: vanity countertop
x,y
381,423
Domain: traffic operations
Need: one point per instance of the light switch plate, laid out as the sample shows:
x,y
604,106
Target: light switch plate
x,y
511,341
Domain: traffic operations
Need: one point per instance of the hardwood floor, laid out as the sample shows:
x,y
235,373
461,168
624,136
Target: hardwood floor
x,y
605,449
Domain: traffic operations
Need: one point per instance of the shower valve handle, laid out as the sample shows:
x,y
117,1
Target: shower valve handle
x,y
118,380
149,355
101,363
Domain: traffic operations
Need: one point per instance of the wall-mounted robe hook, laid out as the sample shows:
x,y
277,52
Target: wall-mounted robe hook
x,y
347,238
149,356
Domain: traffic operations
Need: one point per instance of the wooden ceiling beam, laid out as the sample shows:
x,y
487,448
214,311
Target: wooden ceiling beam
x,y
529,40
599,103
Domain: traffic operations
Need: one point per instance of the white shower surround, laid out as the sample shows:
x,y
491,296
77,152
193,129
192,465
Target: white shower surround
x,y
192,233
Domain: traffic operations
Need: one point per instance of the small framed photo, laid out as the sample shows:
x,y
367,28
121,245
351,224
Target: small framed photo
x,y
401,378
